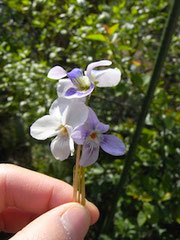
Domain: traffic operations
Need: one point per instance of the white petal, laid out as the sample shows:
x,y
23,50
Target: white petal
x,y
63,86
107,78
56,72
93,65
76,114
71,145
44,127
54,109
58,107
60,147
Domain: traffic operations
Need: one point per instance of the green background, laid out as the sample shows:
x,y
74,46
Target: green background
x,y
37,35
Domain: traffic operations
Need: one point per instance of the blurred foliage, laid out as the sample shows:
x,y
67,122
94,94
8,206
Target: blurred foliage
x,y
38,34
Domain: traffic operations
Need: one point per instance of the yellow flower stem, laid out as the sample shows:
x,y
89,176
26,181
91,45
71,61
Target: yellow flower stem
x,y
74,187
79,180
79,187
75,178
83,201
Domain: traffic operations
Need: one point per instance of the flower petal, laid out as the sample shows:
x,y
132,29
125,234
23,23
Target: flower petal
x,y
71,92
56,72
71,145
54,109
44,127
93,65
80,134
60,147
58,107
76,114
92,119
107,78
76,93
74,75
112,145
63,86
90,153
102,128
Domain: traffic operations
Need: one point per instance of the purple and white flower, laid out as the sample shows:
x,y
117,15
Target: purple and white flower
x,y
91,136
80,85
64,116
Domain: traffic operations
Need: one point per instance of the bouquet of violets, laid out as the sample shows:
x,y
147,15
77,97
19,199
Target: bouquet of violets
x,y
70,120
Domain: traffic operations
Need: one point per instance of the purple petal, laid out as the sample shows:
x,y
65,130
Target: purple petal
x,y
70,92
92,119
76,93
90,153
112,145
56,72
80,134
102,128
95,124
74,75
93,65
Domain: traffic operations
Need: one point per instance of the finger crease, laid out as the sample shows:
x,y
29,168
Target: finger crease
x,y
51,193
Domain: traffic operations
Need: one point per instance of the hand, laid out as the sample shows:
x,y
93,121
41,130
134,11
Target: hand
x,y
41,207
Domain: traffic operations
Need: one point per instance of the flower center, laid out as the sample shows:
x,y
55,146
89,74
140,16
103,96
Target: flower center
x,y
81,82
84,83
93,135
63,130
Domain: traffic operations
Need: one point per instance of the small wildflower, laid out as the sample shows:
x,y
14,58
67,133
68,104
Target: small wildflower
x,y
91,136
80,85
64,117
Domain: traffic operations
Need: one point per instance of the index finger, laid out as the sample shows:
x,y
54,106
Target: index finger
x,y
34,192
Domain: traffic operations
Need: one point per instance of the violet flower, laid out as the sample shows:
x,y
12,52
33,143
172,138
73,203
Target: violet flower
x,y
91,136
64,116
80,85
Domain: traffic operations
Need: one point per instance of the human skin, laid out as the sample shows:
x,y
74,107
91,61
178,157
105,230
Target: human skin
x,y
36,206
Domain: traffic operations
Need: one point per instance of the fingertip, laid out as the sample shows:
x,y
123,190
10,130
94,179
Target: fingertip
x,y
68,221
76,221
94,212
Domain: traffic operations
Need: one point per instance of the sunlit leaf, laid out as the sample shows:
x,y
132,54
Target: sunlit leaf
x,y
141,218
137,63
166,196
125,48
112,29
96,37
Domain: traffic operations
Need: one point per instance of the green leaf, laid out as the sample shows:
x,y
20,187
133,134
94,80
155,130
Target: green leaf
x,y
167,196
178,220
137,79
141,218
113,29
96,37
125,48
177,214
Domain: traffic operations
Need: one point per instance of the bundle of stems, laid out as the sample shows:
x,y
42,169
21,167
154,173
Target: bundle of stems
x,y
79,180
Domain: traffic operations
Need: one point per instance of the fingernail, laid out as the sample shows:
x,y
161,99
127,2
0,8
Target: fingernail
x,y
76,221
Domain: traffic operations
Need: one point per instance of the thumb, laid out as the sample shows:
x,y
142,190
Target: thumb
x,y
69,221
